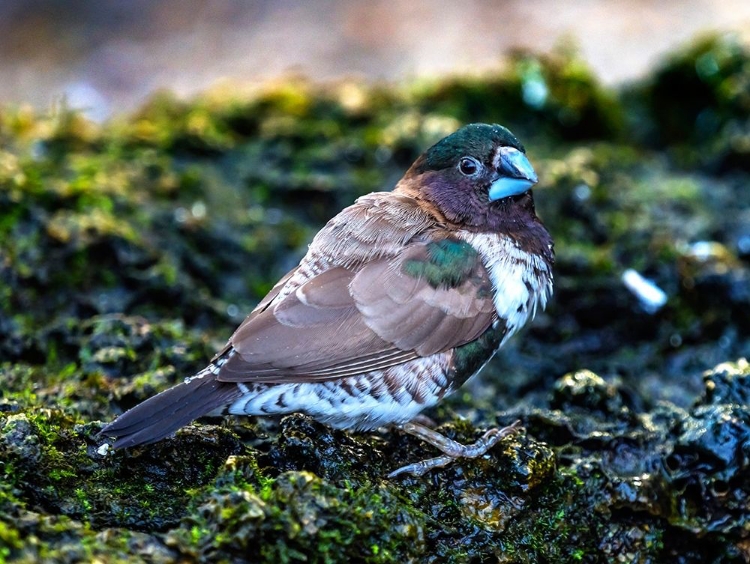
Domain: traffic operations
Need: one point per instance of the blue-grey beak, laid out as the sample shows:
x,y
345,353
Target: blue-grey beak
x,y
517,174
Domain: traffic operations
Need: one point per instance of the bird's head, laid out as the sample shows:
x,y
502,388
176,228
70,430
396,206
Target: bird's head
x,y
478,177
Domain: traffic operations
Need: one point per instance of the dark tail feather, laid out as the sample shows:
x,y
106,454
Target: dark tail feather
x,y
163,414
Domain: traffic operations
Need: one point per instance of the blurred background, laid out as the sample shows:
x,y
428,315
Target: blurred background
x,y
105,57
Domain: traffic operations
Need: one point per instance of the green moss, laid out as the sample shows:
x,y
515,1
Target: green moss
x,y
553,533
556,93
298,516
10,540
54,463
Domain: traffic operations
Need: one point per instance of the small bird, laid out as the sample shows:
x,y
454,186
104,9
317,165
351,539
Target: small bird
x,y
399,300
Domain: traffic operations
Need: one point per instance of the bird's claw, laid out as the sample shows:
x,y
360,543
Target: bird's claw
x,y
423,466
451,448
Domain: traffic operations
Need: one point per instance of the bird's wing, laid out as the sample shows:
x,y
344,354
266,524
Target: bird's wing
x,y
369,312
262,306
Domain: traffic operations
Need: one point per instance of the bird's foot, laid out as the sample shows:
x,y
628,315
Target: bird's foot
x,y
449,447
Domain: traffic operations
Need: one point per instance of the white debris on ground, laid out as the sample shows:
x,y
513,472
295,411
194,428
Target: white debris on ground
x,y
652,297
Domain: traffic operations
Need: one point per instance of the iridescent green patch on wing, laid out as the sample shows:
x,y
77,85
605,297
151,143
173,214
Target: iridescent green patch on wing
x,y
447,264
469,358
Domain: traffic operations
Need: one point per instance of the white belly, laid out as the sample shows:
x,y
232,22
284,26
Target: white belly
x,y
367,401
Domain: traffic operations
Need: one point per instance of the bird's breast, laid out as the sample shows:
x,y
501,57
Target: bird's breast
x,y
521,280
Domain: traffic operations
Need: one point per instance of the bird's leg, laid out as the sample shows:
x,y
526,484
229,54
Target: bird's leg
x,y
422,419
451,448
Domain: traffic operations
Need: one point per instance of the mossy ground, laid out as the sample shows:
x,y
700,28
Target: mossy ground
x,y
129,251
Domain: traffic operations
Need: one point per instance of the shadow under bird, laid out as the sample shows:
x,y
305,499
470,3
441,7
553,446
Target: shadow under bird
x,y
399,300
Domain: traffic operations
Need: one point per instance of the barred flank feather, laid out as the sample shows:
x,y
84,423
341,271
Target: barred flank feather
x,y
161,415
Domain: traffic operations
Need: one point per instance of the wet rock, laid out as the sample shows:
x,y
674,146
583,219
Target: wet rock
x,y
727,383
305,445
587,391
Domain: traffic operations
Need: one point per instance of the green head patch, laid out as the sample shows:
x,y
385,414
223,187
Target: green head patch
x,y
478,140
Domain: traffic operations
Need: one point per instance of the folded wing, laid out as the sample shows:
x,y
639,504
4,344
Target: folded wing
x,y
429,297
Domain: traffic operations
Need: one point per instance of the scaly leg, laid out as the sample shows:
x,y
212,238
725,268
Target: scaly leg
x,y
451,448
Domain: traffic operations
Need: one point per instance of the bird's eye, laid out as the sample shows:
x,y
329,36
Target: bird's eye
x,y
468,166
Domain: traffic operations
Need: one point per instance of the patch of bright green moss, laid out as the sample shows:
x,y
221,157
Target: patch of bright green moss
x,y
299,516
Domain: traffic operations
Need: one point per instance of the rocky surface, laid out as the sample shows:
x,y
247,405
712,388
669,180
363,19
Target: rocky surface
x,y
130,251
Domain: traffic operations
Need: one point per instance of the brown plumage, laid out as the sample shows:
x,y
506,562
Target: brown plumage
x,y
375,323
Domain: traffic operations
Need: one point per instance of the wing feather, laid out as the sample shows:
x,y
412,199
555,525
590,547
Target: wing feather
x,y
419,293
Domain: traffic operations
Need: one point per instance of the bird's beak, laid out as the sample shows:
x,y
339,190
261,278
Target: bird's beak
x,y
516,174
